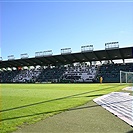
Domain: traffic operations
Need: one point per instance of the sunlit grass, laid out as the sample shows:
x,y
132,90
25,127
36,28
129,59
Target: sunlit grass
x,y
28,103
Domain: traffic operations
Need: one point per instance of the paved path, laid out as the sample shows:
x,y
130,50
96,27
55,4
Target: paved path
x,y
83,119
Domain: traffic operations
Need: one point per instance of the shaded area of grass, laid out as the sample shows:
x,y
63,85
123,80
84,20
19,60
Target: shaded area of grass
x,y
30,103
71,109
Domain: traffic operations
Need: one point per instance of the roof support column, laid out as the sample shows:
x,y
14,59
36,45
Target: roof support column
x,y
90,63
123,61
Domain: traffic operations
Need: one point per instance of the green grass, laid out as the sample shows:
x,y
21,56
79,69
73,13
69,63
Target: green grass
x,y
28,103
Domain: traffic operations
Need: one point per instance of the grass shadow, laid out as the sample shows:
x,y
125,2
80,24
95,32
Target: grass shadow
x,y
62,110
61,98
130,131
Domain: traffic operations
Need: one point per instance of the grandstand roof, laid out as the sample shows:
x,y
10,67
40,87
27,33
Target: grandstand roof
x,y
100,55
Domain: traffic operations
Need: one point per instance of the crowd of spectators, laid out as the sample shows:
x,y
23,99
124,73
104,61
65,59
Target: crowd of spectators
x,y
28,75
7,76
51,74
111,72
70,73
80,73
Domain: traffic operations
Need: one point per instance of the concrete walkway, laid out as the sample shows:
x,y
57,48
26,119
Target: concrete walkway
x,y
83,119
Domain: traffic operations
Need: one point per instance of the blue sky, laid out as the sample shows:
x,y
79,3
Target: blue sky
x,y
29,27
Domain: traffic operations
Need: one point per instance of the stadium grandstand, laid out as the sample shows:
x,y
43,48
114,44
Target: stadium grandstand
x,y
68,67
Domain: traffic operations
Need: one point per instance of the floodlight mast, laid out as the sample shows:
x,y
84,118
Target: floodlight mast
x,y
66,51
24,56
39,54
43,53
111,45
87,48
47,53
0,58
11,57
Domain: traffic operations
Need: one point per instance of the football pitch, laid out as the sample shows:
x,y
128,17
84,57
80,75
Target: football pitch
x,y
22,104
